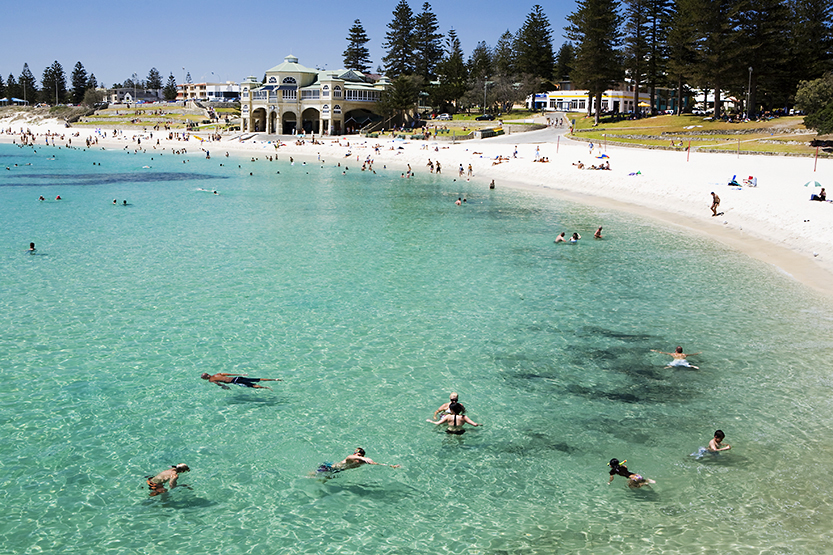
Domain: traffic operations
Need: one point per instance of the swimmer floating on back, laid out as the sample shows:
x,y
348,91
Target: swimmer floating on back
x,y
679,358
634,479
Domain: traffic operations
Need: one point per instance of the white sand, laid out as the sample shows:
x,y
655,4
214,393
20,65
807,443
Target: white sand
x,y
774,222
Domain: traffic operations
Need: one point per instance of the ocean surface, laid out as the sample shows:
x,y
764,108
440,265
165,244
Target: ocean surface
x,y
373,297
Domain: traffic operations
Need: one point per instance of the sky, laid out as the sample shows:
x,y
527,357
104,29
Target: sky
x,y
216,40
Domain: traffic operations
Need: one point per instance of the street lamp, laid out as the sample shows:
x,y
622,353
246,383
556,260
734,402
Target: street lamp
x,y
749,95
485,83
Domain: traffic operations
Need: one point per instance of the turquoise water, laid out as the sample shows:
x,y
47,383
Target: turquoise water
x,y
373,297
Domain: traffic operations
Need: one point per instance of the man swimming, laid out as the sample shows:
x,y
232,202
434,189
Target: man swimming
x,y
223,378
355,460
679,358
157,483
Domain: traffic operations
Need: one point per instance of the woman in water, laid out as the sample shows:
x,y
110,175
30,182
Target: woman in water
x,y
634,479
455,420
575,238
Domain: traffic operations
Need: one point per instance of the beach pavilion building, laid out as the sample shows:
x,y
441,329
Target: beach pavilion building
x,y
296,99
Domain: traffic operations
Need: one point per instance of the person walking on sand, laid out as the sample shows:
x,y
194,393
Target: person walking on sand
x,y
715,203
157,483
679,358
223,378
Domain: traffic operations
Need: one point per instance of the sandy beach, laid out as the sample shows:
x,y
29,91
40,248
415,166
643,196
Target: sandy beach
x,y
774,221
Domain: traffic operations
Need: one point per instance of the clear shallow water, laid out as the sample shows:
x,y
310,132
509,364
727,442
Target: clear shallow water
x,y
372,297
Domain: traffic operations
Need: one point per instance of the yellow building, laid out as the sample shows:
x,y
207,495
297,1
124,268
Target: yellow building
x,y
296,99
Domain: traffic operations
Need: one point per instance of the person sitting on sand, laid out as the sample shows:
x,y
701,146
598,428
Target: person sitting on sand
x,y
679,358
223,378
351,461
157,483
634,479
579,165
560,238
455,420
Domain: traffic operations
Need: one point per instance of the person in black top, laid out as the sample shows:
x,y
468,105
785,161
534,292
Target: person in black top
x,y
634,479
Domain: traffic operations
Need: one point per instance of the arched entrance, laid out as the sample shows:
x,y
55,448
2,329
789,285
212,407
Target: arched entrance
x,y
290,123
311,120
273,122
259,120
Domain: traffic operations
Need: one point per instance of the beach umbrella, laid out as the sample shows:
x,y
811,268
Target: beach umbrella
x,y
812,184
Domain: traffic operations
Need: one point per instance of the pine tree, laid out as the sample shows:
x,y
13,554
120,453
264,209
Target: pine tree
x,y
534,45
154,80
357,56
503,55
718,46
658,25
480,62
636,45
54,83
2,88
811,38
169,91
399,42
427,43
451,72
564,60
682,48
12,89
188,78
594,30
764,26
79,83
91,82
27,85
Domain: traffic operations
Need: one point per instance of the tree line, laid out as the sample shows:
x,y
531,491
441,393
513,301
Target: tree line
x,y
755,51
82,88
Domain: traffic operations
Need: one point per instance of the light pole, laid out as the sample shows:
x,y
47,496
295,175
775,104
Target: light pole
x,y
485,84
749,95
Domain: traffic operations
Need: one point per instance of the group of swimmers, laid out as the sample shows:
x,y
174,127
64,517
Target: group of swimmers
x,y
574,238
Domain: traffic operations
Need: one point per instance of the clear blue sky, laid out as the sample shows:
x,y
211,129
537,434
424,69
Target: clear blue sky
x,y
231,39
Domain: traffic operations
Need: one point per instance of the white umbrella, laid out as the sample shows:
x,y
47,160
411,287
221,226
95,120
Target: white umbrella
x,y
812,184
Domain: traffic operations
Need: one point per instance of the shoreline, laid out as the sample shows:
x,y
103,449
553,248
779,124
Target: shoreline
x,y
774,222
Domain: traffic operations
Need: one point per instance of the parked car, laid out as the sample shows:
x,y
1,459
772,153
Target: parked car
x,y
485,117
445,117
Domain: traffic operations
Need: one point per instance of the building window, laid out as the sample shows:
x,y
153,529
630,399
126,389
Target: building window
x,y
310,95
290,95
336,109
325,90
289,81
325,109
273,79
336,92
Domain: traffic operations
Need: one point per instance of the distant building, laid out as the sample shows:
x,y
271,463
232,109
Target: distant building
x,y
212,92
567,99
296,99
131,95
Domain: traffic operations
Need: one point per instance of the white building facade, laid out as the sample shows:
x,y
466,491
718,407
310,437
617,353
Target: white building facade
x,y
296,99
